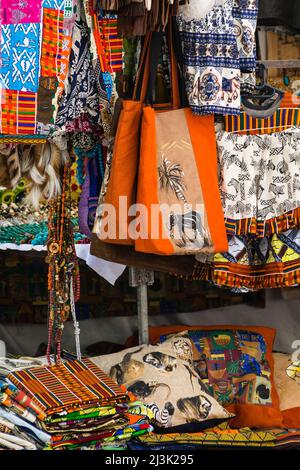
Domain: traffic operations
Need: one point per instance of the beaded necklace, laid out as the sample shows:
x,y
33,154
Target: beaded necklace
x,y
63,273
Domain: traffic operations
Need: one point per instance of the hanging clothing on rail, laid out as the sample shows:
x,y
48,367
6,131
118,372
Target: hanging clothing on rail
x,y
259,174
219,48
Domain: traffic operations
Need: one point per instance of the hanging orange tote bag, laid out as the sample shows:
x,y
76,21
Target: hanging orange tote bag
x,y
179,208
120,192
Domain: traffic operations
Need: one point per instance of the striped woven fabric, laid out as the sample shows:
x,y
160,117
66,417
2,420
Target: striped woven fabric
x,y
273,275
263,228
24,139
69,386
53,33
270,262
18,112
112,44
283,119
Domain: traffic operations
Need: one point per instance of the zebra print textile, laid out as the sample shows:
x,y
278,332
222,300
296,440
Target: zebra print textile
x,y
259,174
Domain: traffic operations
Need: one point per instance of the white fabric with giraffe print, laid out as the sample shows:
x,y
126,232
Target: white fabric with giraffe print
x,y
259,175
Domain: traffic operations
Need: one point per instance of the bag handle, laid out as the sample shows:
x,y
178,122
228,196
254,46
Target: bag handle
x,y
142,76
155,50
144,89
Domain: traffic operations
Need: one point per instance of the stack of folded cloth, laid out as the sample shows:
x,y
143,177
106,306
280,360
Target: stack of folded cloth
x,y
73,405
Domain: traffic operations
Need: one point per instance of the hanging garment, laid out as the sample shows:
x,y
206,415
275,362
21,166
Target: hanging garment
x,y
259,174
80,95
269,262
285,118
35,49
219,53
211,61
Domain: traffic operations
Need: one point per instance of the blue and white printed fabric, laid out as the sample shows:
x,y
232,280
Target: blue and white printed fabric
x,y
219,53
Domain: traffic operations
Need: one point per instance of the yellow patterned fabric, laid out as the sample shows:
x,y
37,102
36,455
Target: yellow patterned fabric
x,y
217,437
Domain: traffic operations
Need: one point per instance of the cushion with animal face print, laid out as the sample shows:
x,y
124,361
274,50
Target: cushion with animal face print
x,y
236,365
164,378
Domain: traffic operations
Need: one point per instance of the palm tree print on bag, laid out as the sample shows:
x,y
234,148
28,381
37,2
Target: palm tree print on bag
x,y
171,176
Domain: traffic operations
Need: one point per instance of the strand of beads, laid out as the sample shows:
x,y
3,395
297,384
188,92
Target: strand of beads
x,y
63,266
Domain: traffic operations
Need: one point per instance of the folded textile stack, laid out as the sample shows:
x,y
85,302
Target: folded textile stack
x,y
73,405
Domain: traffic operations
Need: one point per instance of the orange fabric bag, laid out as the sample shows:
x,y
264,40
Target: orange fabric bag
x,y
178,191
124,164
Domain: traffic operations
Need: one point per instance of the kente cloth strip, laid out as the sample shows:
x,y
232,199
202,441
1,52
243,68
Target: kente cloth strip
x,y
269,262
112,44
68,386
263,228
283,119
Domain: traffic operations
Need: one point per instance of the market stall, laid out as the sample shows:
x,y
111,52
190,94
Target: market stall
x,y
162,136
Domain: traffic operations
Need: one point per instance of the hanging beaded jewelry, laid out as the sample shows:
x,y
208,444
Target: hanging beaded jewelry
x,y
63,273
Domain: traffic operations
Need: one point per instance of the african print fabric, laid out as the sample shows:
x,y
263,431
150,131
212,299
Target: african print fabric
x,y
80,95
112,44
210,54
283,119
259,174
269,262
213,438
263,228
68,386
35,45
217,49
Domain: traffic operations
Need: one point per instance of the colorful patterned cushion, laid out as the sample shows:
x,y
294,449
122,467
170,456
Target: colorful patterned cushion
x,y
164,378
236,365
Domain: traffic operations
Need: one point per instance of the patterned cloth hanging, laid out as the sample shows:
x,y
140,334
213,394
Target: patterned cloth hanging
x,y
35,38
219,46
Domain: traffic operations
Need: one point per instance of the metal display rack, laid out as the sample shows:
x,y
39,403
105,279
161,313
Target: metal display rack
x,y
141,279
